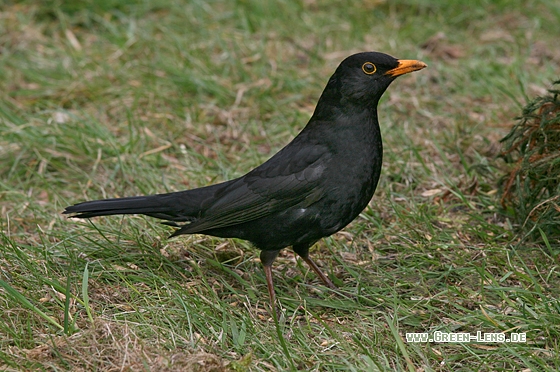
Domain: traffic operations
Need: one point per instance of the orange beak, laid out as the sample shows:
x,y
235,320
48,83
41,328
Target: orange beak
x,y
405,66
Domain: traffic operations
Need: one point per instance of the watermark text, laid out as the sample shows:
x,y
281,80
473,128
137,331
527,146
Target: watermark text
x,y
450,337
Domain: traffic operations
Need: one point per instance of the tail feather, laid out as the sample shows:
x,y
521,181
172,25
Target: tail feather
x,y
153,205
183,206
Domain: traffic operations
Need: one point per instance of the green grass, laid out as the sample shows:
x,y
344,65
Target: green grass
x,y
108,98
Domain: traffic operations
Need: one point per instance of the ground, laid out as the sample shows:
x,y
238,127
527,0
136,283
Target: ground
x,y
112,98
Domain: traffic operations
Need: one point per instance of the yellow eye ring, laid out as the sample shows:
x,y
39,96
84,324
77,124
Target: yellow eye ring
x,y
369,68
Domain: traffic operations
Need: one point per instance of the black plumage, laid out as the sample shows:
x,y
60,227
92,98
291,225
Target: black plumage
x,y
310,189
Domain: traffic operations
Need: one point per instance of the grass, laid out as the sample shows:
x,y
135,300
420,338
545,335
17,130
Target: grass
x,y
532,187
108,98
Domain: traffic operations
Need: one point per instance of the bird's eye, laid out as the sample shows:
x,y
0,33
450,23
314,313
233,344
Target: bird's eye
x,y
369,68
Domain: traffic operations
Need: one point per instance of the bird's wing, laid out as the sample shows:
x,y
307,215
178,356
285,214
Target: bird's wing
x,y
289,178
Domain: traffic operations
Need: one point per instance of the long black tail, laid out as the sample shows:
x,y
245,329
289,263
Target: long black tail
x,y
179,206
159,206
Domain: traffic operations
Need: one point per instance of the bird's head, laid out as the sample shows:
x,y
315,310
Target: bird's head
x,y
361,79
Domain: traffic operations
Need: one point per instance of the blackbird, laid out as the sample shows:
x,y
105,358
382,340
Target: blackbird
x,y
310,189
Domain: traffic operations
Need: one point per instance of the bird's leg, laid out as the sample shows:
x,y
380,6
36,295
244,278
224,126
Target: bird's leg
x,y
303,252
267,258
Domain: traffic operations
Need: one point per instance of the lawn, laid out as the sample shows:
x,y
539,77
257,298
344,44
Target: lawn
x,y
110,98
